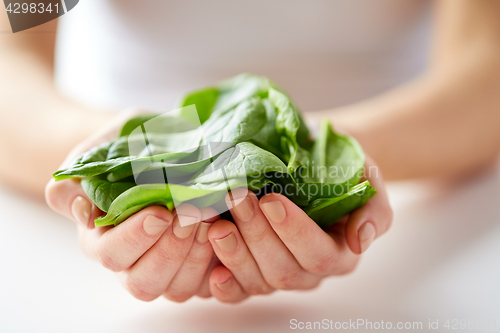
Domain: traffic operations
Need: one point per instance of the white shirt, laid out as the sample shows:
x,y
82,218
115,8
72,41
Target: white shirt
x,y
324,53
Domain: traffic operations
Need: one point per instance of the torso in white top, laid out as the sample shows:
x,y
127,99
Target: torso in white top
x,y
325,53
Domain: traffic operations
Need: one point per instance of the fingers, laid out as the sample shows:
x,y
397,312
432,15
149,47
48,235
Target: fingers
x,y
374,218
68,198
150,276
120,247
204,290
315,250
225,287
276,263
234,254
188,279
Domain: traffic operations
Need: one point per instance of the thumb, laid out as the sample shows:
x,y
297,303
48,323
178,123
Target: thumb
x,y
68,198
374,218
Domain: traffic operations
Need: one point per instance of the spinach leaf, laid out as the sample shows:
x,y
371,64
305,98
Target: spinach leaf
x,y
249,134
141,143
165,123
336,164
244,160
149,165
95,154
132,201
234,127
93,169
242,124
238,89
299,157
268,138
289,120
327,211
336,158
137,198
286,185
204,100
201,195
135,122
103,192
290,124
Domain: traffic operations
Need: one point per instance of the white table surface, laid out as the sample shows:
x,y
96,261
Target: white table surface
x,y
440,260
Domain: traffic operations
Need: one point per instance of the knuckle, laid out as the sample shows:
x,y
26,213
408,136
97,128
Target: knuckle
x,y
322,265
107,262
196,260
138,290
235,262
256,236
130,240
162,256
288,281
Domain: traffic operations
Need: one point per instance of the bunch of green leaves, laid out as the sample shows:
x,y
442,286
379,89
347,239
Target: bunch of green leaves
x,y
244,124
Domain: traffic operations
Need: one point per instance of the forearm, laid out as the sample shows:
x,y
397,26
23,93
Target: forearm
x,y
438,125
38,126
445,123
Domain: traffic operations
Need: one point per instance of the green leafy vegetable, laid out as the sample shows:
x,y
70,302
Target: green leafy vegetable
x,y
327,211
103,192
336,164
132,201
244,132
204,100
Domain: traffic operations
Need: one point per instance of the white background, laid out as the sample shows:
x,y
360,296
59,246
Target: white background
x,y
440,261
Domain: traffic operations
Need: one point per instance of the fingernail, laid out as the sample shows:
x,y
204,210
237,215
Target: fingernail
x,y
226,285
274,210
81,208
228,243
153,225
243,208
184,230
202,232
186,220
366,235
208,214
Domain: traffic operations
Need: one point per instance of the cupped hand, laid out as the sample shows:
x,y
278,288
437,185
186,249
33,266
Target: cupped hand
x,y
275,245
150,251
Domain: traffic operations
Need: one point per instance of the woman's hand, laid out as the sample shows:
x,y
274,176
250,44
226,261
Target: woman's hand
x,y
151,253
275,245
